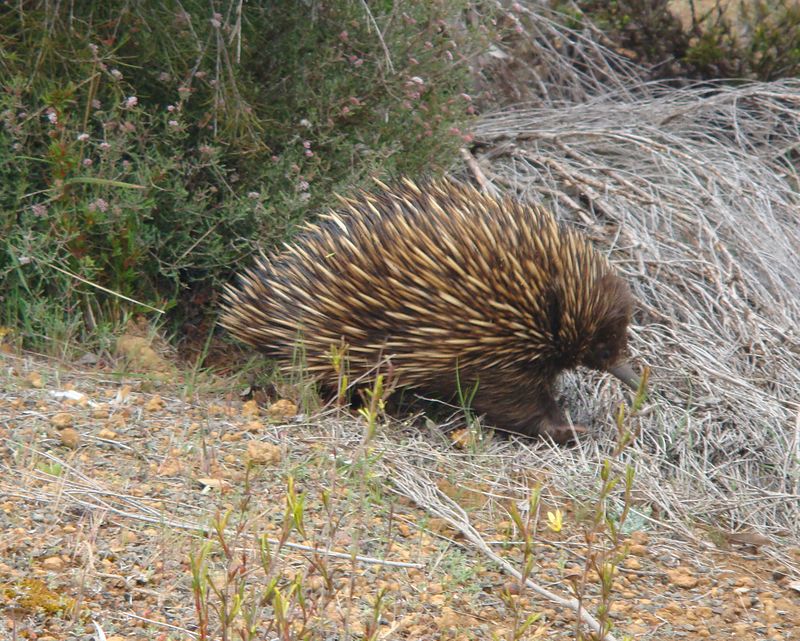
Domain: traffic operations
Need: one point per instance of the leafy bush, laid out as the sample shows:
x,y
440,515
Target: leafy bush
x,y
147,147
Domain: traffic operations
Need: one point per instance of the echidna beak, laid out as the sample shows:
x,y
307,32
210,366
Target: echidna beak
x,y
625,373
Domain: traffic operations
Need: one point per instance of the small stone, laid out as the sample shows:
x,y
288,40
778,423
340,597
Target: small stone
x,y
250,408
253,426
34,379
53,563
155,404
214,484
100,411
683,578
263,453
61,420
282,409
70,437
170,467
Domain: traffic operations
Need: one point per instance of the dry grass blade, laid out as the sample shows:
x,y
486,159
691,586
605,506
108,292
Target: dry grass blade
x,y
548,64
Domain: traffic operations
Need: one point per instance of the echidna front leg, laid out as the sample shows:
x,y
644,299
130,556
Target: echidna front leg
x,y
528,412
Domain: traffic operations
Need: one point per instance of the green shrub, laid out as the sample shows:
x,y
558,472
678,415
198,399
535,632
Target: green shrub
x,y
704,40
147,147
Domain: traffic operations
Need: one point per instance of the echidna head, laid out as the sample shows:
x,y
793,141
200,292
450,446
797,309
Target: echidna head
x,y
609,338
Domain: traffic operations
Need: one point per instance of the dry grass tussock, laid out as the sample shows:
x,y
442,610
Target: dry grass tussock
x,y
694,193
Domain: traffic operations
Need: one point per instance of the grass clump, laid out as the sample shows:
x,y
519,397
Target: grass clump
x,y
146,147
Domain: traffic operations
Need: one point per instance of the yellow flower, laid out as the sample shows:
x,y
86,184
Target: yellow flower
x,y
555,520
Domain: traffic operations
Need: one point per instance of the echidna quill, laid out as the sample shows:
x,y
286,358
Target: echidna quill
x,y
449,286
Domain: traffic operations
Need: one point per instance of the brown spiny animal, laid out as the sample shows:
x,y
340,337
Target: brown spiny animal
x,y
444,286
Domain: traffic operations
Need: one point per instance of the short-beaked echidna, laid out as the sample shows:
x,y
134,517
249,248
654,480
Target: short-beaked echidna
x,y
449,286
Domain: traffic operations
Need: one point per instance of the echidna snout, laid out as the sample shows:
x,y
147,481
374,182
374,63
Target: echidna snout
x,y
455,288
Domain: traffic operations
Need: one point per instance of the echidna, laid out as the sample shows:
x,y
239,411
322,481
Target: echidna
x,y
450,287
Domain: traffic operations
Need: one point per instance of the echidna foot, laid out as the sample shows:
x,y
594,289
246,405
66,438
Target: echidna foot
x,y
562,433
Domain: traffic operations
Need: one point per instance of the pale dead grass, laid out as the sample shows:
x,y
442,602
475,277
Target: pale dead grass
x,y
694,194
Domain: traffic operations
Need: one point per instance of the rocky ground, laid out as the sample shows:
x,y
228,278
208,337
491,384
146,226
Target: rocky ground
x,y
113,487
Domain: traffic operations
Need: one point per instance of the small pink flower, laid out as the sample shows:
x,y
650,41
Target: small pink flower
x,y
307,144
173,123
86,162
83,137
131,101
170,108
253,195
52,116
104,146
117,74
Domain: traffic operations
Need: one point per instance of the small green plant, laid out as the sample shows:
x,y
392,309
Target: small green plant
x,y
466,396
338,357
602,528
229,600
50,467
527,528
373,409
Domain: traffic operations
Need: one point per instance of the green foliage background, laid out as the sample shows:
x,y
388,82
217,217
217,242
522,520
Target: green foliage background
x,y
150,147
147,149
